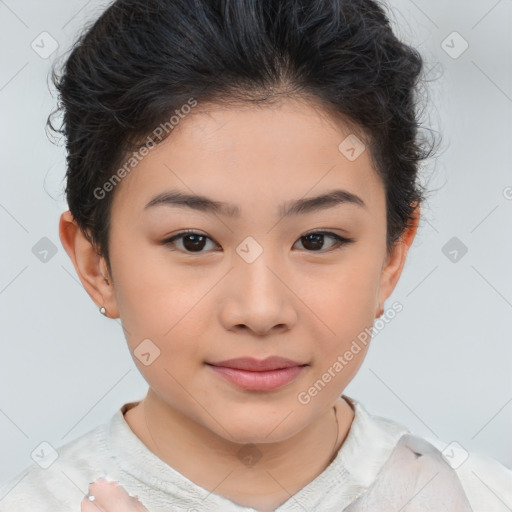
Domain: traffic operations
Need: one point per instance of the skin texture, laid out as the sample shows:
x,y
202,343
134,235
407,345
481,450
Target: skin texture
x,y
110,497
292,301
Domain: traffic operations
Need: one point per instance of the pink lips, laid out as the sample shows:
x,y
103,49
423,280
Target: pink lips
x,y
258,375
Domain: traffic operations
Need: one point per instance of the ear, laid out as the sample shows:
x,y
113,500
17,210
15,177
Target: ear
x,y
90,267
394,262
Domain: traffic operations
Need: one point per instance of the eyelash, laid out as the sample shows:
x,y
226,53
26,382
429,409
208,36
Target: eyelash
x,y
340,240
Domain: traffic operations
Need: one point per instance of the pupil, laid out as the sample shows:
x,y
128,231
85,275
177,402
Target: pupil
x,y
317,241
197,244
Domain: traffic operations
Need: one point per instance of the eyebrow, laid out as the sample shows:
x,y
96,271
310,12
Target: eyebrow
x,y
175,198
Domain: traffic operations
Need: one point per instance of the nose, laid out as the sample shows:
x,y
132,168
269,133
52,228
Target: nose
x,y
258,297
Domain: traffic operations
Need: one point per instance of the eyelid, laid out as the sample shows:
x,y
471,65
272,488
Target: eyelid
x,y
184,233
340,240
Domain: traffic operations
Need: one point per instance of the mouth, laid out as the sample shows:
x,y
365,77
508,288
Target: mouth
x,y
258,375
258,365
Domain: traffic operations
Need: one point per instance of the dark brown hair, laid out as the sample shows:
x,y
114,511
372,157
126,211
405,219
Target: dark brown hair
x,y
141,60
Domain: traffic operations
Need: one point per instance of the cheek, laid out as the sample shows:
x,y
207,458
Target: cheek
x,y
143,284
345,301
346,293
157,303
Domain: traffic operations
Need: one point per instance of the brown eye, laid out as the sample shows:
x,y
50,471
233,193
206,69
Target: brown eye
x,y
194,242
314,242
191,241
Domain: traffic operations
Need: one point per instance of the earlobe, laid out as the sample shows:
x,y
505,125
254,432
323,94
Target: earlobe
x,y
395,261
89,265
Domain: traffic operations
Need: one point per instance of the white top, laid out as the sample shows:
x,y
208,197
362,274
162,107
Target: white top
x,y
114,449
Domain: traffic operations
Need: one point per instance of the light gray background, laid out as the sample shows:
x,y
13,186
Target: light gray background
x,y
441,367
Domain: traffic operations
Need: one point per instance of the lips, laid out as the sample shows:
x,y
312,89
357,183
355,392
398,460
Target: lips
x,y
258,365
252,374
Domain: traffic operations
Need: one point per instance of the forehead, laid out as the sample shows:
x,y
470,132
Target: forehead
x,y
251,155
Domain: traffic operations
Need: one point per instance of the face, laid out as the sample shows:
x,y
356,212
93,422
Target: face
x,y
248,280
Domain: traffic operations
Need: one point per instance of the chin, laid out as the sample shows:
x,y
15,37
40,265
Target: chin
x,y
263,432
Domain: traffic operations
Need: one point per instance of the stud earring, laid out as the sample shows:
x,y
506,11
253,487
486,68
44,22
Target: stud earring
x,y
103,311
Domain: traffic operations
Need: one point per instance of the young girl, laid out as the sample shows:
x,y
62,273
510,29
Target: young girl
x,y
243,191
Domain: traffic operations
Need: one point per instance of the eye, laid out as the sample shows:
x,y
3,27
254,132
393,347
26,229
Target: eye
x,y
315,240
194,242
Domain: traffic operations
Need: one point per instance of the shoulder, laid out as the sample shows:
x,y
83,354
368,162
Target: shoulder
x,y
59,478
479,480
486,481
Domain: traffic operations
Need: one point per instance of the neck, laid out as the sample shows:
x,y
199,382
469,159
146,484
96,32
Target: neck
x,y
262,475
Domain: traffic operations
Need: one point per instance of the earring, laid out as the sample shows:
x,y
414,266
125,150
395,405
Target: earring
x,y
103,311
380,313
